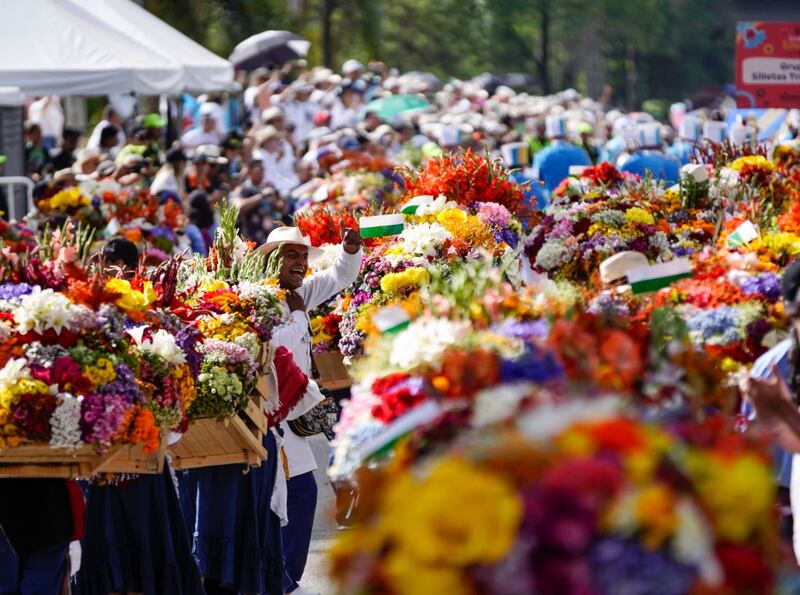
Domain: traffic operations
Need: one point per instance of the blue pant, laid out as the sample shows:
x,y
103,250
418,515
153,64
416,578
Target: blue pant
x,y
301,505
41,573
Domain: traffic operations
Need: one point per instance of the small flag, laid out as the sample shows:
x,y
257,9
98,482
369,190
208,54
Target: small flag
x,y
420,415
653,278
575,171
695,171
743,235
379,226
390,319
410,208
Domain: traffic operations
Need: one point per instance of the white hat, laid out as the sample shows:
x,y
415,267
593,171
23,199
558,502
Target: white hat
x,y
556,126
266,133
715,131
207,109
514,154
210,154
270,114
450,135
689,128
648,136
289,235
351,66
84,155
321,75
616,267
741,134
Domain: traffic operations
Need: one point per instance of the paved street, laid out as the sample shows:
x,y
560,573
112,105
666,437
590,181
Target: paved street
x,y
315,578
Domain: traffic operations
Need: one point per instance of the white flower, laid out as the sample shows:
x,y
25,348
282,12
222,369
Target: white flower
x,y
422,240
424,341
694,542
44,309
12,372
160,343
547,420
439,204
498,403
550,255
64,423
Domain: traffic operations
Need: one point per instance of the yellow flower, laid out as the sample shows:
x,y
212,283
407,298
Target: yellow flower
x,y
28,385
639,215
738,493
458,515
468,228
317,330
451,216
411,277
575,442
67,199
753,160
209,285
101,373
131,299
409,577
655,511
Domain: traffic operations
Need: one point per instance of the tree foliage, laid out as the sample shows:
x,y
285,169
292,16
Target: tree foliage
x,y
644,49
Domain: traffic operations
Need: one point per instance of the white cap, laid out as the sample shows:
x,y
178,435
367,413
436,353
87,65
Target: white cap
x,y
648,136
207,109
514,154
741,134
351,66
689,128
715,131
556,126
450,135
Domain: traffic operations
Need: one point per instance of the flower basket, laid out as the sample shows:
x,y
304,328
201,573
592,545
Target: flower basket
x,y
237,439
39,460
333,374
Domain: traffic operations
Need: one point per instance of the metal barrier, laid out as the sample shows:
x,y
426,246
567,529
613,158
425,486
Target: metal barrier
x,y
8,183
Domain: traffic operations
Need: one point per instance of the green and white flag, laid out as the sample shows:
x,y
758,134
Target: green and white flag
x,y
654,277
420,415
743,235
379,226
410,208
390,319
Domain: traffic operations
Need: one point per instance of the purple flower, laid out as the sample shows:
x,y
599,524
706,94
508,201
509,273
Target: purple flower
x,y
766,284
101,417
535,365
187,339
14,291
124,386
507,236
624,566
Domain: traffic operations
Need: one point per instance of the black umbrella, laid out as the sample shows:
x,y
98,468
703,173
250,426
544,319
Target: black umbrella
x,y
269,48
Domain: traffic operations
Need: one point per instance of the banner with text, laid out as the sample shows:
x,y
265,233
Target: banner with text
x,y
768,64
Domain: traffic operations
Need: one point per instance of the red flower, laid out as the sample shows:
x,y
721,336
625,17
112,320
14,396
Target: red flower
x,y
746,570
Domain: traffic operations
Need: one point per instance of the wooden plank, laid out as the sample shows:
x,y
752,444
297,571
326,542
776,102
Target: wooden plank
x,y
255,412
208,461
252,442
44,471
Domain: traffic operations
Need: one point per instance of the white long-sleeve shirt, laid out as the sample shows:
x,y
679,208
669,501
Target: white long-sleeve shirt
x,y
295,335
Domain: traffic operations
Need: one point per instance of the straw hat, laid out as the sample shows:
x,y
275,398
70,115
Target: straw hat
x,y
289,235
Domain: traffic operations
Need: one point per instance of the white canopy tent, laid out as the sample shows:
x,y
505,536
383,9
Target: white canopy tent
x,y
202,69
77,47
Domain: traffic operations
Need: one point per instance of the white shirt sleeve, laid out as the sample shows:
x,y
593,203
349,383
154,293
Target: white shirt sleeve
x,y
324,285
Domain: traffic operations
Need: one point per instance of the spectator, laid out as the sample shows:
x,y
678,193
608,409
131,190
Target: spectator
x,y
170,178
64,157
260,209
87,161
201,174
110,118
279,163
352,70
47,113
35,154
207,133
108,139
200,230
345,111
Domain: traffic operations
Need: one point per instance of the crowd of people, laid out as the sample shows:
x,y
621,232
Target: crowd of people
x,y
296,125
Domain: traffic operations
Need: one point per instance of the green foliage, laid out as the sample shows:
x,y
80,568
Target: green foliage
x,y
660,49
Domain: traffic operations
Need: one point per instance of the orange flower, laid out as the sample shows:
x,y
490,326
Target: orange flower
x,y
133,235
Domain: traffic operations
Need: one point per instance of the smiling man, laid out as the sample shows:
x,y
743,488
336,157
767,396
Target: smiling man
x,y
304,294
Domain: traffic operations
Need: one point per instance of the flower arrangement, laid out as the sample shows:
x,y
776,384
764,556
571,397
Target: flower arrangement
x,y
573,498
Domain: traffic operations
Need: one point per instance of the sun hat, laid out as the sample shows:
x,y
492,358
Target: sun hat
x,y
291,236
